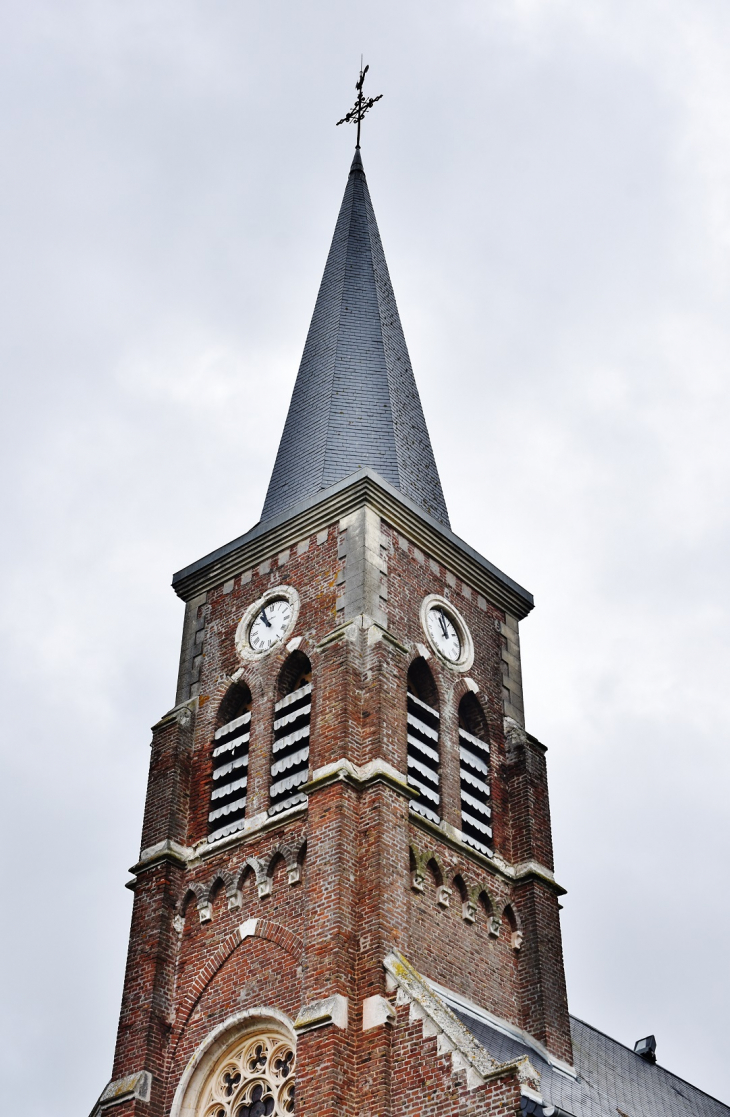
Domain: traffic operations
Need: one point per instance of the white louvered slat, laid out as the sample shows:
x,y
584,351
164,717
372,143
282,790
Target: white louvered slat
x,y
425,750
466,736
428,792
291,738
475,822
429,814
293,760
293,697
426,772
224,730
475,804
475,782
224,831
422,727
473,761
231,766
293,715
423,705
230,746
296,779
230,808
284,804
229,788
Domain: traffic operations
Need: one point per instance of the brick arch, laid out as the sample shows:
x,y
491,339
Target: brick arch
x,y
266,929
193,892
512,915
224,879
461,688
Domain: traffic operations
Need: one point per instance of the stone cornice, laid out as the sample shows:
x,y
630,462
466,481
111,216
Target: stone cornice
x,y
162,851
376,771
366,487
187,856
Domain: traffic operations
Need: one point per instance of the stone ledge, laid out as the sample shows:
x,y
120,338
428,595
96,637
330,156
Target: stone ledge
x,y
332,1010
375,771
167,850
133,1086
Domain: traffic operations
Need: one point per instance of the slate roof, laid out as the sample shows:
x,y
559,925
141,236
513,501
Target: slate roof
x,y
355,401
612,1081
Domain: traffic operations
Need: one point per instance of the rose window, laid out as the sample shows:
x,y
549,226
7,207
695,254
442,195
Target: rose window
x,y
255,1079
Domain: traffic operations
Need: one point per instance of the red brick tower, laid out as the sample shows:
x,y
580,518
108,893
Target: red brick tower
x,y
346,853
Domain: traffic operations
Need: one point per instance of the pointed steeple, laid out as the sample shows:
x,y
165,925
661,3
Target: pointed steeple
x,y
355,401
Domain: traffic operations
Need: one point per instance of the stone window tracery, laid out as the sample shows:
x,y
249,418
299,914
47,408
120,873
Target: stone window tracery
x,y
253,1079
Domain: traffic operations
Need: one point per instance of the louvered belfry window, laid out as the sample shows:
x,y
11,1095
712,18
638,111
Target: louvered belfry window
x,y
476,811
290,753
423,742
230,765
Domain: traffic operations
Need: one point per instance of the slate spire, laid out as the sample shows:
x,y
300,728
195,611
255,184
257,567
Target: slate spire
x,y
355,401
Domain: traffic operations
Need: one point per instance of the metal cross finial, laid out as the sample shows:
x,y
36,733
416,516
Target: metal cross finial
x,y
361,106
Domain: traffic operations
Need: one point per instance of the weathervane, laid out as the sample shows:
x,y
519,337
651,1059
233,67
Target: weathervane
x,y
361,106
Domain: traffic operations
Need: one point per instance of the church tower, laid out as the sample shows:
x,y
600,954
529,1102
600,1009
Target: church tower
x,y
346,863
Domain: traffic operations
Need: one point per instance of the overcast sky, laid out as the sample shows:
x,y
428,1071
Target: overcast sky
x,y
552,182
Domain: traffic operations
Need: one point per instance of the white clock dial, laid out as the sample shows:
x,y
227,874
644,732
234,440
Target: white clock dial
x,y
443,633
270,624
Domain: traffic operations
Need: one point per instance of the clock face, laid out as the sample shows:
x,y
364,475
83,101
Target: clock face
x,y
443,633
270,624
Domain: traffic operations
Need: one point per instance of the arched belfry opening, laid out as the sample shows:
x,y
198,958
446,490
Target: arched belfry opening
x,y
476,810
227,809
290,748
423,740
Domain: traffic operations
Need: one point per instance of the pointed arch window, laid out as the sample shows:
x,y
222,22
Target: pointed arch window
x,y
423,741
290,752
254,1078
230,764
476,810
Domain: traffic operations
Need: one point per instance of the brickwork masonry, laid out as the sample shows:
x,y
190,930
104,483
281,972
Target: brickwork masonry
x,y
297,911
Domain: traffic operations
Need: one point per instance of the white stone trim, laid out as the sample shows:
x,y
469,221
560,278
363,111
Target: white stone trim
x,y
500,1025
332,1010
376,1010
137,1086
466,658
360,775
452,1036
243,647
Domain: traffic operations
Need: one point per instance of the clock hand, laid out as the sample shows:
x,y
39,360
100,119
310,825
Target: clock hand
x,y
442,622
265,619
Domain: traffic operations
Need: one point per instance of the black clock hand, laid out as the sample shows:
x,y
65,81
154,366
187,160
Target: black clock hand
x,y
442,622
265,619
